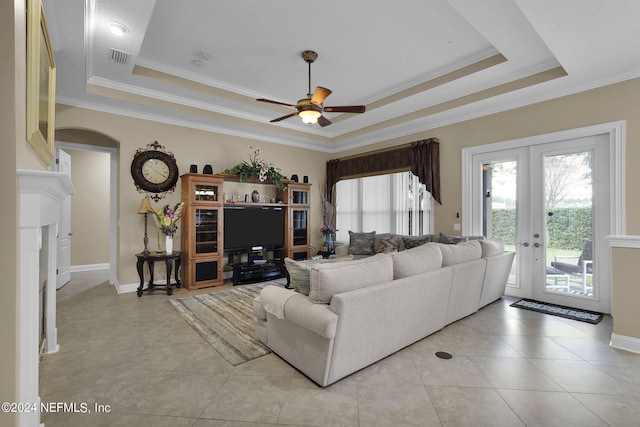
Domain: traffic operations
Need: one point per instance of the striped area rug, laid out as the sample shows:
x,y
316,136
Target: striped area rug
x,y
225,320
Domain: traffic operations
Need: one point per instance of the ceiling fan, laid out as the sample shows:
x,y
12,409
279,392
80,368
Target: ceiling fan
x,y
310,109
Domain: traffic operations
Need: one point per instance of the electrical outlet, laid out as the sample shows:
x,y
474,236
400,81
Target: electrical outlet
x,y
456,227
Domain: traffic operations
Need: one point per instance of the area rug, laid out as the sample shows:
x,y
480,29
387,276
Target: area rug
x,y
559,310
225,320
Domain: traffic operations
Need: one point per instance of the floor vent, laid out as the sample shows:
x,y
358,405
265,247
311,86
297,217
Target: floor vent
x,y
119,56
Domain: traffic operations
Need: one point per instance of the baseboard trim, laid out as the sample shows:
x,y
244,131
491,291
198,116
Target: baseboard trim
x,y
89,267
622,342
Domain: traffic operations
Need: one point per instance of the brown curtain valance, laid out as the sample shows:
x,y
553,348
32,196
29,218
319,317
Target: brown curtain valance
x,y
422,158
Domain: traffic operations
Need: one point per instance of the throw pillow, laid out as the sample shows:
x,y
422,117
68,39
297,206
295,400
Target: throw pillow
x,y
416,260
361,243
462,252
330,279
492,246
388,244
299,271
448,239
415,241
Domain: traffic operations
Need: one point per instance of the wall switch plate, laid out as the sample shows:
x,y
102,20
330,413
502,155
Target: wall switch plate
x,y
456,227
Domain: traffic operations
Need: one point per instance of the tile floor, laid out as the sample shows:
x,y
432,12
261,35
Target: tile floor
x,y
510,367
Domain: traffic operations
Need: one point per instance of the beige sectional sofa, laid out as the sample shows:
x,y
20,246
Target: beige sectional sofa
x,y
360,311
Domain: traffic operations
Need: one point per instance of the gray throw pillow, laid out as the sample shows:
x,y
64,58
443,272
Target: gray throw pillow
x,y
388,244
415,241
362,243
448,239
299,271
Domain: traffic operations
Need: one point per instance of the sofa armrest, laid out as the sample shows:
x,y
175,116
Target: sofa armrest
x,y
317,318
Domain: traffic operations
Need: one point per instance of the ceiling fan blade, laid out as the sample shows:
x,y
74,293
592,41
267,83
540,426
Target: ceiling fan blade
x,y
275,102
346,109
283,117
323,121
319,95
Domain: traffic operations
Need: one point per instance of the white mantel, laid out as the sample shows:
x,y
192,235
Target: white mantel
x,y
41,195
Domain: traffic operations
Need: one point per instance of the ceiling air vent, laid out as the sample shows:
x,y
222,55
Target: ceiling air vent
x,y
119,56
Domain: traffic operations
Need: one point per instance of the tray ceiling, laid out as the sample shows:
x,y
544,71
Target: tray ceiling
x,y
415,64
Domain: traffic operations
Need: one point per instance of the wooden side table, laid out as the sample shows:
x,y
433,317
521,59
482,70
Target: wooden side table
x,y
150,259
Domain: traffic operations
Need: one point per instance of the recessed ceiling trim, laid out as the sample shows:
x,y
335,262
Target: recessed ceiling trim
x,y
491,92
440,80
189,124
102,87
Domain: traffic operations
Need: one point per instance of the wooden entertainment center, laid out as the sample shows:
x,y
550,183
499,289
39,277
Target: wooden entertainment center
x,y
202,232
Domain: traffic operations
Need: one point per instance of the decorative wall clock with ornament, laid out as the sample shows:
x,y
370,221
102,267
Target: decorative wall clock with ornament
x,y
154,171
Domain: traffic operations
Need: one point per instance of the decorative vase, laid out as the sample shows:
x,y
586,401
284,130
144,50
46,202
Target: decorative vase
x,y
168,245
328,243
255,196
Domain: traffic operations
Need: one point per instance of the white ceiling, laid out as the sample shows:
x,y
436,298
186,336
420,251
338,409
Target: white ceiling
x,y
415,64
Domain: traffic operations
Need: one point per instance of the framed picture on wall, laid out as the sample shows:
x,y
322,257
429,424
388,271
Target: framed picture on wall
x,y
41,83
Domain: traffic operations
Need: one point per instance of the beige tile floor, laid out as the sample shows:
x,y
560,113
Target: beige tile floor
x,y
510,367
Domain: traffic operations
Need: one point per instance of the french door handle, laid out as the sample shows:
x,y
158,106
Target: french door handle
x,y
525,244
536,245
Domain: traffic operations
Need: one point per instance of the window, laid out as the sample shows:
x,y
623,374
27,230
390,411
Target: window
x,y
394,203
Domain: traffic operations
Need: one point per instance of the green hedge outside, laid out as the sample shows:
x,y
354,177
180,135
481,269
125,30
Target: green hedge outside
x,y
567,228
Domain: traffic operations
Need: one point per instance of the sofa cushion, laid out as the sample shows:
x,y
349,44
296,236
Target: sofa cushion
x,y
492,246
299,271
330,279
361,243
416,260
415,241
387,243
462,252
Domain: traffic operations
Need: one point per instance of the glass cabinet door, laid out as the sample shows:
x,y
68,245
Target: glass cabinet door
x,y
299,197
205,193
206,221
300,227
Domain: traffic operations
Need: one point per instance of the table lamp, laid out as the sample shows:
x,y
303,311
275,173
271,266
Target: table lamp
x,y
145,208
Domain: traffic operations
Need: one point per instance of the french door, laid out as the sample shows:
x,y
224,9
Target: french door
x,y
550,202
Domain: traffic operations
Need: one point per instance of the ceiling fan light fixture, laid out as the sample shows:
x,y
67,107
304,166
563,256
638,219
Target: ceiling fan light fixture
x,y
309,116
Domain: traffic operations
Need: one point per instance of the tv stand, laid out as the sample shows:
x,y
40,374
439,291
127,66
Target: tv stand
x,y
250,273
257,268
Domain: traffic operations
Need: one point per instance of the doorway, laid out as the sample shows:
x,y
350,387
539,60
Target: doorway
x,y
109,224
554,200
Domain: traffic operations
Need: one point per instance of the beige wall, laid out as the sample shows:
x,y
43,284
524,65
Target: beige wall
x,y
11,115
189,147
626,294
89,207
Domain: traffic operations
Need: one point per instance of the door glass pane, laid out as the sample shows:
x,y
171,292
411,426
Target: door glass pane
x,y
499,206
568,198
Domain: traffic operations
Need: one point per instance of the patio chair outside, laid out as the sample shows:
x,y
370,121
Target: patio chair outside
x,y
583,267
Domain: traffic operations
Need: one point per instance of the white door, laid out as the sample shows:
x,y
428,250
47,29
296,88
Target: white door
x,y
63,164
550,202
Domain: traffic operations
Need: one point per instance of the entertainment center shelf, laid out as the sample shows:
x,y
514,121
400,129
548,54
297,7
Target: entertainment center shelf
x,y
253,238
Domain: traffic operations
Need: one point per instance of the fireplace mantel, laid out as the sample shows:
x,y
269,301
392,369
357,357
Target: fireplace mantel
x,y
41,196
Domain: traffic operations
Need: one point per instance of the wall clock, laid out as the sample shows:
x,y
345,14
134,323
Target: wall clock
x,y
154,171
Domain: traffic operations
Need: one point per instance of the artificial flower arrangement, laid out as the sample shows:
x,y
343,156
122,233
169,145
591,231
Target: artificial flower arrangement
x,y
169,217
258,167
328,229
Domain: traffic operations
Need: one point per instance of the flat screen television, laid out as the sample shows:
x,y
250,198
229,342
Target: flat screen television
x,y
246,227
